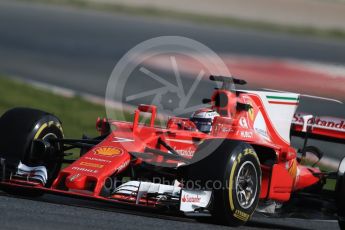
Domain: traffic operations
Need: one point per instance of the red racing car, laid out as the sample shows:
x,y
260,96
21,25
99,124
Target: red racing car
x,y
229,160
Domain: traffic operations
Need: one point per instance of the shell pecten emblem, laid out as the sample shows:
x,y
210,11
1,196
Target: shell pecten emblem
x,y
108,151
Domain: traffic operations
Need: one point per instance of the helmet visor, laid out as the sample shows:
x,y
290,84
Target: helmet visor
x,y
203,124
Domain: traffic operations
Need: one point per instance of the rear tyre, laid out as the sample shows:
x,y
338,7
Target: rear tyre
x,y
236,167
19,127
340,194
341,224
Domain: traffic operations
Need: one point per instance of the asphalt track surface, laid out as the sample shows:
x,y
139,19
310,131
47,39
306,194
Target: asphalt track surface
x,y
78,50
55,212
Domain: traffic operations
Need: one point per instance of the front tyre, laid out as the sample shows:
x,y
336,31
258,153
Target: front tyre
x,y
236,166
19,127
236,204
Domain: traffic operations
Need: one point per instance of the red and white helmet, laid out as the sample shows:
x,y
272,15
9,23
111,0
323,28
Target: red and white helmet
x,y
203,119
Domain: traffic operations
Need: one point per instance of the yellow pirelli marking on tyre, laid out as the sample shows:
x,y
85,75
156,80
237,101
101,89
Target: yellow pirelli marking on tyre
x,y
241,215
59,127
45,125
246,151
232,207
249,151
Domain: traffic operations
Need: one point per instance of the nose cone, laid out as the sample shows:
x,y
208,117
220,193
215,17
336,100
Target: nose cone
x,y
76,181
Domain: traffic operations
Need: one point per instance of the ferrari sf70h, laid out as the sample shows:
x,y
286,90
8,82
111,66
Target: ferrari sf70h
x,y
229,161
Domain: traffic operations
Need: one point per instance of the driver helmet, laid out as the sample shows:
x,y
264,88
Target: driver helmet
x,y
203,119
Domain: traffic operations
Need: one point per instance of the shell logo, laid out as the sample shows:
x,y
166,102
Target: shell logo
x,y
108,151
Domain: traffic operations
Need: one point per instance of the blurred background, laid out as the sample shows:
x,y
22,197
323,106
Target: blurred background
x,y
57,55
70,47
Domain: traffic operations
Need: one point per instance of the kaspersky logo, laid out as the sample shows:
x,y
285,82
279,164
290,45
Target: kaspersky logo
x,y
191,199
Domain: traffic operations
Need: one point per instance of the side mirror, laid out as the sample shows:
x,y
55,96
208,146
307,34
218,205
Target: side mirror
x,y
145,109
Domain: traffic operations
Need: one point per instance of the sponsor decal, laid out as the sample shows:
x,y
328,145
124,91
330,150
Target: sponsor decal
x,y
92,165
241,215
245,134
260,126
185,152
298,119
120,139
191,199
97,159
322,122
262,132
84,170
181,141
123,165
74,177
108,151
226,129
243,123
280,100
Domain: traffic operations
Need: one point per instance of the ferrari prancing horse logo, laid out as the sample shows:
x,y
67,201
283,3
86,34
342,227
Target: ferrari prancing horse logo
x,y
251,112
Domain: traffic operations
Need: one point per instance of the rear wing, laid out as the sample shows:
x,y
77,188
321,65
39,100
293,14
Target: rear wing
x,y
319,127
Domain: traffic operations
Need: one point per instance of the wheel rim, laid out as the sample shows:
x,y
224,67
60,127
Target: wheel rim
x,y
246,185
49,136
51,164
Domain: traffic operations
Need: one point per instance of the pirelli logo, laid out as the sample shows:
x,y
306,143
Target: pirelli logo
x,y
241,215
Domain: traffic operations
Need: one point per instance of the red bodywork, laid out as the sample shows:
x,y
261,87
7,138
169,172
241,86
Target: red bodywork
x,y
87,175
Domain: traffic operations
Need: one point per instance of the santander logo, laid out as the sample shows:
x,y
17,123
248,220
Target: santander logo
x,y
191,199
322,122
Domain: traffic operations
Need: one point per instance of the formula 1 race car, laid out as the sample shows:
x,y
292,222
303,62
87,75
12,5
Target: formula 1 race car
x,y
242,164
